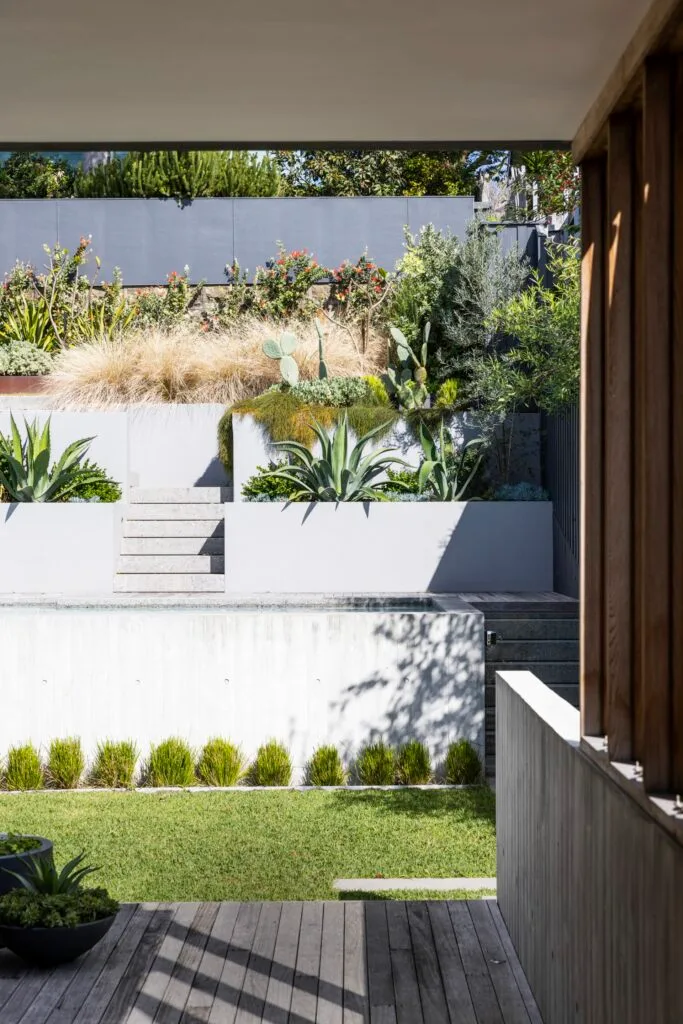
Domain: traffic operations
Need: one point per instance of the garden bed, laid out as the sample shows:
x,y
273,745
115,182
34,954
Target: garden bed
x,y
265,845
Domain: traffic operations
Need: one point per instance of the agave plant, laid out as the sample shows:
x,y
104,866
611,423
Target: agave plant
x,y
342,473
25,470
444,475
41,875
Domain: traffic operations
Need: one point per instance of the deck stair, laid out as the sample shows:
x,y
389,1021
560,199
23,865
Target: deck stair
x,y
173,541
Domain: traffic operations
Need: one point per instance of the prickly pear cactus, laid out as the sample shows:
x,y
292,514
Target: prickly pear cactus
x,y
282,351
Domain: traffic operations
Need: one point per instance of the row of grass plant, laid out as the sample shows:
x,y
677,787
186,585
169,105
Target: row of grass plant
x,y
173,762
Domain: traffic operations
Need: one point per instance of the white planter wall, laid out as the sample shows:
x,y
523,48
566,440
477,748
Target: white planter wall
x,y
59,548
304,677
411,547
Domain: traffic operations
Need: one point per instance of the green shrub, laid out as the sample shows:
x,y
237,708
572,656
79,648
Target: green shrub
x,y
65,763
114,765
171,764
22,359
263,486
413,764
36,176
272,765
24,909
447,395
13,844
23,769
221,763
376,386
325,768
462,766
103,490
376,765
333,391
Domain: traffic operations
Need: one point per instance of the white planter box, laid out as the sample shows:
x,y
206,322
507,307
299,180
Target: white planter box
x,y
408,547
59,548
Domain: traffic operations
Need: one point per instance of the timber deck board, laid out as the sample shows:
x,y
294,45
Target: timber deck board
x,y
343,962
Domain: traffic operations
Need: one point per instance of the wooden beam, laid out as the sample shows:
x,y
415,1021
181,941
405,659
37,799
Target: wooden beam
x,y
654,448
592,445
677,439
618,419
660,24
639,673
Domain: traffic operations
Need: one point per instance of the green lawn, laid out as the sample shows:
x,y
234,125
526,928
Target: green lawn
x,y
261,846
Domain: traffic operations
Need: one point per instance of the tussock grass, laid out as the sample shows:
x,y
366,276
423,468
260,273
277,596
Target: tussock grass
x,y
114,764
188,365
23,769
65,763
221,763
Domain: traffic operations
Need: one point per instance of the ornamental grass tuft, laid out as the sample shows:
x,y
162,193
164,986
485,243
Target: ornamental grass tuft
x,y
171,764
376,765
462,766
272,765
114,765
65,763
23,769
325,768
221,763
413,764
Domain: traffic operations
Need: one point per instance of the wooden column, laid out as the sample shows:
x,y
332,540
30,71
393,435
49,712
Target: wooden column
x,y
677,438
618,428
592,445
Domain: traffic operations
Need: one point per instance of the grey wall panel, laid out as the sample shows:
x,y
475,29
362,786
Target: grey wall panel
x,y
25,226
445,212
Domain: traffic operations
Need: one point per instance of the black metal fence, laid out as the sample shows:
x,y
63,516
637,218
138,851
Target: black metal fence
x,y
560,459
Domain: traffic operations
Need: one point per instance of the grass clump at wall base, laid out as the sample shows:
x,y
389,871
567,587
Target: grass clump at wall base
x,y
462,766
65,763
325,768
376,765
114,765
221,764
23,769
413,764
272,765
171,764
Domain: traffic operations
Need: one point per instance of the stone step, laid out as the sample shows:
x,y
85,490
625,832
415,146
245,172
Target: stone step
x,y
172,545
152,564
180,495
525,609
534,629
191,510
548,672
202,528
530,651
169,583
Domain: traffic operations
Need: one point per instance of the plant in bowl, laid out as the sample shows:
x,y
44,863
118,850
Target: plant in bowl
x,y
50,918
16,851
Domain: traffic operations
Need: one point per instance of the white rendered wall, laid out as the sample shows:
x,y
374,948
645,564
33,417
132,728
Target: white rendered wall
x,y
410,547
175,446
303,677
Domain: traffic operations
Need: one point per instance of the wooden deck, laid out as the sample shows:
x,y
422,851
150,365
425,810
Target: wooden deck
x,y
284,963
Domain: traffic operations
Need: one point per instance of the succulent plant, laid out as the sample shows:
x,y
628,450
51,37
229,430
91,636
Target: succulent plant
x,y
409,385
282,351
322,366
443,475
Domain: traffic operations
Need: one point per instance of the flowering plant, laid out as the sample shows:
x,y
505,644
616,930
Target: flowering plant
x,y
282,286
356,287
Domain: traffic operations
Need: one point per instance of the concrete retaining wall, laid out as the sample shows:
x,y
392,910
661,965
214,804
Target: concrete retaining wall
x,y
411,547
306,677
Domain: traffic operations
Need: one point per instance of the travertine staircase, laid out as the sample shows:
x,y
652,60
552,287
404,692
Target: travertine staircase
x,y
173,542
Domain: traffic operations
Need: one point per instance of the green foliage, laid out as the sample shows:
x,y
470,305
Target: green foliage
x,y
413,764
114,764
325,768
167,308
281,287
221,763
12,844
542,370
448,479
23,769
40,876
263,486
462,766
35,176
341,473
91,489
359,291
334,391
65,763
28,320
521,492
181,175
376,765
23,359
25,470
379,392
272,765
171,764
406,480
409,385
447,395
322,365
23,909
282,351
557,180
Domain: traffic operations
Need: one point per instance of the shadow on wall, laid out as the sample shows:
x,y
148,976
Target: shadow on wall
x,y
439,695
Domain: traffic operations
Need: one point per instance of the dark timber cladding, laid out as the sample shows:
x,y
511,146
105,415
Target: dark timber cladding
x,y
632,431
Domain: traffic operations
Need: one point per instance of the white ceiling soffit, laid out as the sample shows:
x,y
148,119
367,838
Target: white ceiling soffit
x,y
304,71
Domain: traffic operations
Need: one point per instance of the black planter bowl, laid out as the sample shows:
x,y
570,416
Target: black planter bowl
x,y
20,862
47,947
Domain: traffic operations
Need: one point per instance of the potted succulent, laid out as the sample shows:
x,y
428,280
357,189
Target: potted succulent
x,y
51,918
15,853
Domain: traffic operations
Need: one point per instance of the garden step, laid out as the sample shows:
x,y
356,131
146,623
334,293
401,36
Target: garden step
x,y
190,510
180,495
169,583
172,545
203,528
531,651
548,672
171,564
534,629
